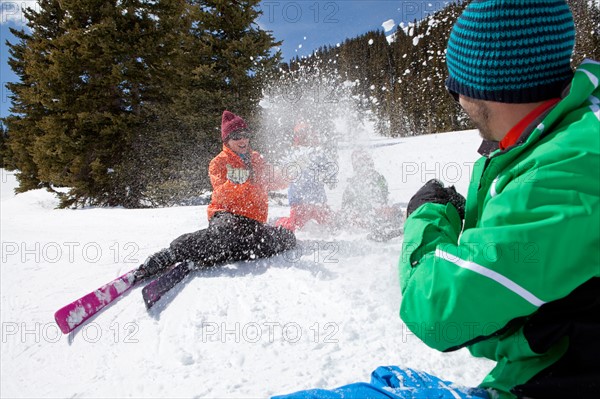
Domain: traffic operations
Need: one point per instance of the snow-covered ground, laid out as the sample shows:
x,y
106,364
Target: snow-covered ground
x,y
320,317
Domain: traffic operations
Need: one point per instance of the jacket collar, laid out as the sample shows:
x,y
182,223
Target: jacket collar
x,y
246,160
521,131
526,125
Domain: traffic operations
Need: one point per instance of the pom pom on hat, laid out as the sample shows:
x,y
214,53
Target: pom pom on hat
x,y
230,122
511,51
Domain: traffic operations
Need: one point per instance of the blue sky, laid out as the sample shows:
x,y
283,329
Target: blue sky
x,y
302,25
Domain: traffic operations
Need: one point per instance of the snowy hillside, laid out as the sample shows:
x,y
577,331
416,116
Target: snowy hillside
x,y
320,317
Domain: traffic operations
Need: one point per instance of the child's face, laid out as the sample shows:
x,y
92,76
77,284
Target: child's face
x,y
239,143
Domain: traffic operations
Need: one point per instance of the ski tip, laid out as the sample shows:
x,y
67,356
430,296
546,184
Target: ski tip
x,y
150,298
62,322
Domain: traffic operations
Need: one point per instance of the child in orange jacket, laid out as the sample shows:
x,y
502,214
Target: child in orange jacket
x,y
236,231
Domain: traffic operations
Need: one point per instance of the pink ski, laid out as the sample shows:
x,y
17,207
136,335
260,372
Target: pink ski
x,y
76,313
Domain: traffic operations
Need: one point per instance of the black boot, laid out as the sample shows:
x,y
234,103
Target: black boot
x,y
156,263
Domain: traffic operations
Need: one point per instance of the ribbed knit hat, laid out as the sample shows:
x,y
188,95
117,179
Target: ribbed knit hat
x,y
230,122
511,51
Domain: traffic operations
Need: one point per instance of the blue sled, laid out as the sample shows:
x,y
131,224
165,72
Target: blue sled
x,y
392,382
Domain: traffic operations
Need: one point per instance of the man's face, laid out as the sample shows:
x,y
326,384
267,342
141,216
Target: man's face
x,y
479,112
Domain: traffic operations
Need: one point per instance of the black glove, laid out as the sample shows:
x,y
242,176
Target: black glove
x,y
435,192
457,200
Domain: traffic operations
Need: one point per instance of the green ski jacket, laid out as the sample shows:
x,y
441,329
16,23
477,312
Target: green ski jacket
x,y
518,281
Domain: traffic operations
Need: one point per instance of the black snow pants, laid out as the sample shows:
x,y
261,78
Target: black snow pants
x,y
231,238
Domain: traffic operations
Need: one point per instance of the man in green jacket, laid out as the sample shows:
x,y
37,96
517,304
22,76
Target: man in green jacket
x,y
513,275
513,272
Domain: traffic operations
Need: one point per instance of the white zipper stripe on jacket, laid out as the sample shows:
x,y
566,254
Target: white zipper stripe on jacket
x,y
497,277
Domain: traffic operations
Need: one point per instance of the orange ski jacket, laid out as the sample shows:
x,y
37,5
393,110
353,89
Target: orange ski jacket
x,y
250,198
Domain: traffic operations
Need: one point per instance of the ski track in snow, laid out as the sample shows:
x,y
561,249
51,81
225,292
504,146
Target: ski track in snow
x,y
321,316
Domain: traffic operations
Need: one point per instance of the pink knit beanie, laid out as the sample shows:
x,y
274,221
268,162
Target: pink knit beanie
x,y
230,122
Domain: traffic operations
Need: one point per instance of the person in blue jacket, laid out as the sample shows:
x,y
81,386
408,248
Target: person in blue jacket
x,y
309,170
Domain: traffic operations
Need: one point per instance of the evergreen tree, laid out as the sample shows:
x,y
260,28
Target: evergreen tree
x,y
5,153
120,100
28,105
84,72
229,56
223,66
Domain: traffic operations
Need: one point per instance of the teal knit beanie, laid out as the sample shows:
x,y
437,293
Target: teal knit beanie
x,y
511,51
